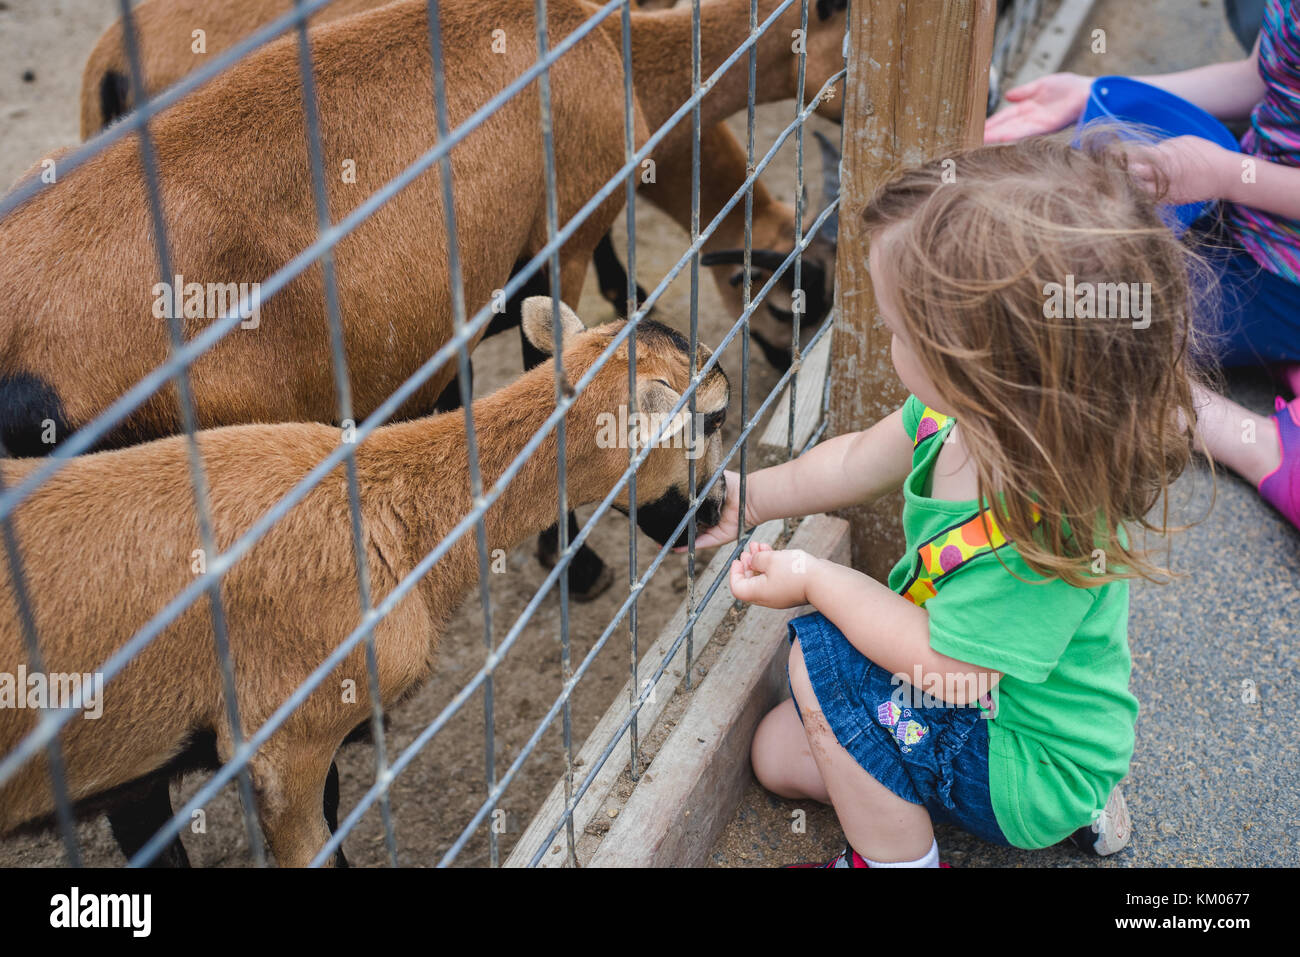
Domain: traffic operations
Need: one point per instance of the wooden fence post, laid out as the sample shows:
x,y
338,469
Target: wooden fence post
x,y
916,87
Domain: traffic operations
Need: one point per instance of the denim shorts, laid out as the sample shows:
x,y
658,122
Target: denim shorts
x,y
935,756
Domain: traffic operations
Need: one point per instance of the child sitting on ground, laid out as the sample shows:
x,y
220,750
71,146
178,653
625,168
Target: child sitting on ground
x,y
1032,436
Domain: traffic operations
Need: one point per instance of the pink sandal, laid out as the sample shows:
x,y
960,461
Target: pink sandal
x,y
1281,487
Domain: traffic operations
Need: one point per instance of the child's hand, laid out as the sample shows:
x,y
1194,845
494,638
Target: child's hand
x,y
774,579
728,526
1045,105
1197,170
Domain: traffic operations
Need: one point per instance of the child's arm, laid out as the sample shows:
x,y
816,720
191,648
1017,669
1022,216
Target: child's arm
x,y
884,626
1226,90
850,469
1198,170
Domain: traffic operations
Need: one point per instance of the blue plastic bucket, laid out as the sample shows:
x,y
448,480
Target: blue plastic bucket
x,y
1125,100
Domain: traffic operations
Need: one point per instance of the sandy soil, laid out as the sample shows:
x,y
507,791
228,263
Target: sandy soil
x,y
437,795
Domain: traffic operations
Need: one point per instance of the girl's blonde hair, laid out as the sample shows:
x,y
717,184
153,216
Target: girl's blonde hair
x,y
1076,423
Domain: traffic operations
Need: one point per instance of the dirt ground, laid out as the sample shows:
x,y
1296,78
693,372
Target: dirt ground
x,y
43,45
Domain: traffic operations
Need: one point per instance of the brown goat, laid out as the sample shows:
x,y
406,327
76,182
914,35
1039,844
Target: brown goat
x,y
165,29
128,514
377,84
78,274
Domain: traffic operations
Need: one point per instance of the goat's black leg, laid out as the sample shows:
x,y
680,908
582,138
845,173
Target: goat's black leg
x,y
588,574
331,809
611,277
449,399
135,822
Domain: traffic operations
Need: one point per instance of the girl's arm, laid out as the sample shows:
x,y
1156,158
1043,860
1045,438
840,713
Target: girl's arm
x,y
884,626
851,469
1226,90
1274,188
1050,103
1198,170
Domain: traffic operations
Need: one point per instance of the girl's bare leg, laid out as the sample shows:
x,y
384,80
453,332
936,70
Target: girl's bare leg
x,y
783,762
1245,442
878,824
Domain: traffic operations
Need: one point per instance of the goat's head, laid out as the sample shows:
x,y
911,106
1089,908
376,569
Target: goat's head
x,y
772,325
600,424
827,44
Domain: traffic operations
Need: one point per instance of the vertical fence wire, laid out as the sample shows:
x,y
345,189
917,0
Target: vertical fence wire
x,y
633,316
694,335
189,419
465,383
799,308
562,392
747,283
343,398
27,621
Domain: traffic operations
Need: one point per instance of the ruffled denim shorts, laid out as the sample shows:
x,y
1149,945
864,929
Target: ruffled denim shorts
x,y
935,756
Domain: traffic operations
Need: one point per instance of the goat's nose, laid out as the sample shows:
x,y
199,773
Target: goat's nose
x,y
710,513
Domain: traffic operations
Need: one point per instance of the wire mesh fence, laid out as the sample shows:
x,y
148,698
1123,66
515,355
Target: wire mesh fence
x,y
792,289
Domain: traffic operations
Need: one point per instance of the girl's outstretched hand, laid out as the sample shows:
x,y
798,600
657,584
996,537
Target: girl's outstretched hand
x,y
1045,105
728,526
1196,169
774,579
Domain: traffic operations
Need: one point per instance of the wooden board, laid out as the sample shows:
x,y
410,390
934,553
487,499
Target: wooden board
x,y
693,786
596,742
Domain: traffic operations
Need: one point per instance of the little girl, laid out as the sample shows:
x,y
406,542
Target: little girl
x,y
987,685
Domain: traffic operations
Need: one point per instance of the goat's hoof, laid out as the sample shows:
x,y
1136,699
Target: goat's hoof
x,y
596,587
589,576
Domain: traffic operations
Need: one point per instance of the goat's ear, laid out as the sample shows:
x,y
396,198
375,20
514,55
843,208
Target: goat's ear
x,y
654,400
539,322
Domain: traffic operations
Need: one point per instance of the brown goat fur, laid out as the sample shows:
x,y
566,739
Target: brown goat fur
x,y
236,188
235,182
164,28
110,539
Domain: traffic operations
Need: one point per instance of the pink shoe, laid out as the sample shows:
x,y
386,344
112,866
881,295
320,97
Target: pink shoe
x,y
845,858
1281,487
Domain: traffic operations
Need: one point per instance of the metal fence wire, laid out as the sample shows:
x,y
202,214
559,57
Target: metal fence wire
x,y
176,371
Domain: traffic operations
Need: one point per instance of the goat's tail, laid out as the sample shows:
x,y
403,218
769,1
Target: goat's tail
x,y
114,97
32,418
105,84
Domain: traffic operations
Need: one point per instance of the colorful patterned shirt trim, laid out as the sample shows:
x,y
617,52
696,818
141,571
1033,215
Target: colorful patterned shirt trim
x,y
931,424
955,546
949,551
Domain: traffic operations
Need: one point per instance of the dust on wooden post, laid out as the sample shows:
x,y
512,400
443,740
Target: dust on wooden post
x,y
916,88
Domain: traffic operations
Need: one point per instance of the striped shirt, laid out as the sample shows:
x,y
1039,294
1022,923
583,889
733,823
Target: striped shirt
x,y
1274,135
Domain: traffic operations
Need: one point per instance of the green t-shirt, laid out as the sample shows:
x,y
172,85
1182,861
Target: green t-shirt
x,y
1061,724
